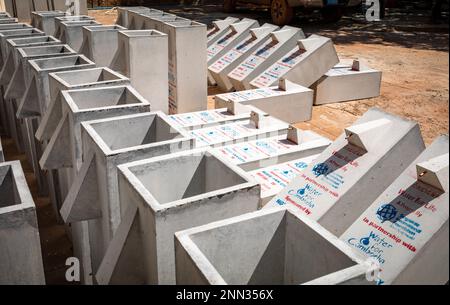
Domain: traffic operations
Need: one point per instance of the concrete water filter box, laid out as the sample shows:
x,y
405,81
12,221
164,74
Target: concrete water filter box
x,y
71,32
277,246
279,44
288,101
230,60
45,20
20,246
163,195
107,143
218,28
132,60
303,65
405,230
234,35
100,43
350,174
347,83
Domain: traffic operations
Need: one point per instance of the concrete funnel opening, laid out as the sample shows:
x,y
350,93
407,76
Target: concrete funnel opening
x,y
272,249
107,97
197,174
135,131
89,76
9,194
54,63
44,50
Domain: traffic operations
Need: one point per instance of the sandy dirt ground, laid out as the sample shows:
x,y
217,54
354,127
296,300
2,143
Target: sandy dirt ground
x,y
412,54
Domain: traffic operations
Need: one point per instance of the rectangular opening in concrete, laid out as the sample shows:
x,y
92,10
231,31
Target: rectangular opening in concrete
x,y
197,174
274,248
9,194
87,76
32,40
103,97
135,131
43,50
60,62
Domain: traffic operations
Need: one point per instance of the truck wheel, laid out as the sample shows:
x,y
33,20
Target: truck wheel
x,y
332,13
281,12
229,6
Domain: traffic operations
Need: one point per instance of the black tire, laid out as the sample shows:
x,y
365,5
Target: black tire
x,y
281,12
229,6
332,13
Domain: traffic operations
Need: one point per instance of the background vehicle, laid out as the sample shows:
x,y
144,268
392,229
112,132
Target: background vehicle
x,y
283,11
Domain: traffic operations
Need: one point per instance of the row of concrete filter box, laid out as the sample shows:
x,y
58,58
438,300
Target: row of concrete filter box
x,y
241,55
98,74
154,208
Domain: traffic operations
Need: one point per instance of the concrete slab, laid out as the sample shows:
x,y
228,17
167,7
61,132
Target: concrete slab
x,y
218,28
288,101
269,247
94,192
240,131
45,20
233,36
405,230
20,253
71,32
350,174
207,118
187,77
346,83
206,189
279,44
304,64
100,43
230,60
132,60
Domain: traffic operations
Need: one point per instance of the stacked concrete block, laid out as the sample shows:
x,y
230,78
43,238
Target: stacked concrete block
x,y
235,34
270,247
187,77
71,32
45,20
288,101
220,69
20,247
123,14
272,50
148,74
163,195
107,143
405,230
218,28
259,125
100,43
349,175
304,64
347,83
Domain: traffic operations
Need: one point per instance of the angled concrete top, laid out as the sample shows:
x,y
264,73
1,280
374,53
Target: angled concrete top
x,y
12,26
146,175
48,65
134,132
82,78
8,20
14,192
234,250
32,41
28,53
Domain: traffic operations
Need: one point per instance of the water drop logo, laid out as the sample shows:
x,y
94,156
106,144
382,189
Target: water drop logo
x,y
320,169
365,241
386,212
